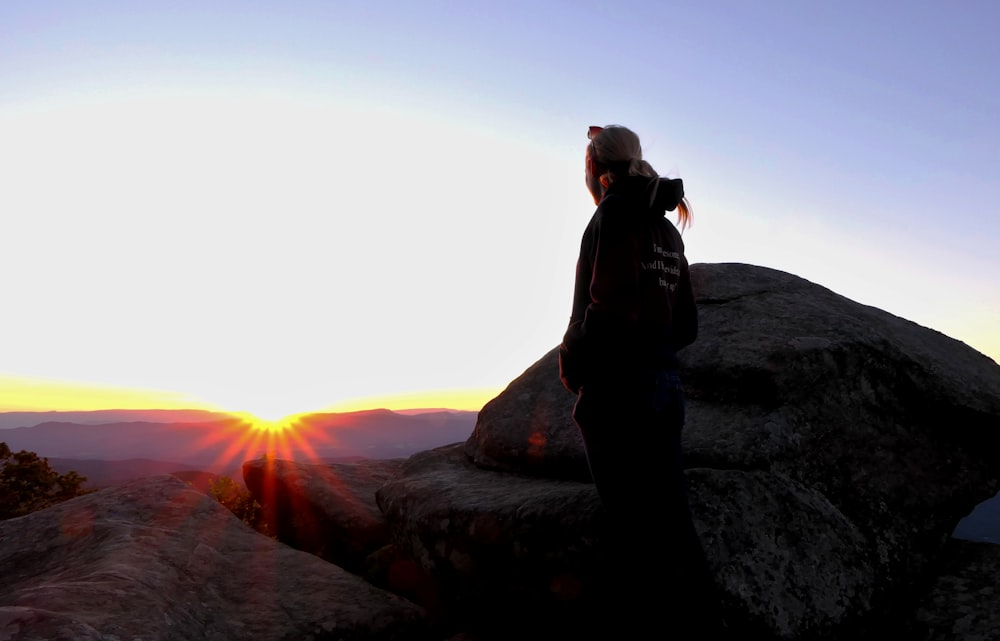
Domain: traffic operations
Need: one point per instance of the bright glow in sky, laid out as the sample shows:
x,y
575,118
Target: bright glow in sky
x,y
282,207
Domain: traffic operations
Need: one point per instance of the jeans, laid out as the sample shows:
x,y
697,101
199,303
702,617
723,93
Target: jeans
x,y
631,429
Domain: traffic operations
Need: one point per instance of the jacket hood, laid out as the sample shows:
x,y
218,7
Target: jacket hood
x,y
658,195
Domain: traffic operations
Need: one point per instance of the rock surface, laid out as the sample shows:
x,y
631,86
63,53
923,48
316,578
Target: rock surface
x,y
155,559
495,542
962,602
327,510
832,447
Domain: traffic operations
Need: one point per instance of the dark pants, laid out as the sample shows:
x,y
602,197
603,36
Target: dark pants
x,y
632,434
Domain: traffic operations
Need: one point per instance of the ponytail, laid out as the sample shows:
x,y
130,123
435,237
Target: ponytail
x,y
639,167
683,214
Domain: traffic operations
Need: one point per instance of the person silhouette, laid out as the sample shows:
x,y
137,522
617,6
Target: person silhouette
x,y
633,310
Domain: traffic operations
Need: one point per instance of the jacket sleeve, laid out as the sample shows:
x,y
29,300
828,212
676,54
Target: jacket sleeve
x,y
607,280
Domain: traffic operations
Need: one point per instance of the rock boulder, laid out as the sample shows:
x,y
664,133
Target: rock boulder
x,y
156,559
832,447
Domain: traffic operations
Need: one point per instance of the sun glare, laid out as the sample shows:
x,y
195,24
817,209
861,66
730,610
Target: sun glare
x,y
26,393
248,436
268,423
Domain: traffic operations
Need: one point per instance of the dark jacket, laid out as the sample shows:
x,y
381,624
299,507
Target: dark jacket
x,y
633,306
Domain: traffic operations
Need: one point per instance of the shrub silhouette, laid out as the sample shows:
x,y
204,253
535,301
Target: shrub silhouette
x,y
239,501
28,484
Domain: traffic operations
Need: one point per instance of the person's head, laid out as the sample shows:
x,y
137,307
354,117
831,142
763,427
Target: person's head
x,y
614,152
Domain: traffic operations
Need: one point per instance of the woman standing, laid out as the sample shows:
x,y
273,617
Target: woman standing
x,y
633,309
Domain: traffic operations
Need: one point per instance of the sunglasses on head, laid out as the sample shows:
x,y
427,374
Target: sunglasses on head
x,y
591,134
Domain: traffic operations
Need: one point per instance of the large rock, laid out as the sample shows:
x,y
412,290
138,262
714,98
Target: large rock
x,y
499,548
837,447
896,425
528,428
327,510
155,559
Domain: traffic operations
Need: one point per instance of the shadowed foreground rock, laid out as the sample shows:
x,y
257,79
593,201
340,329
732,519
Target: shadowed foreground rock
x,y
155,559
501,548
962,602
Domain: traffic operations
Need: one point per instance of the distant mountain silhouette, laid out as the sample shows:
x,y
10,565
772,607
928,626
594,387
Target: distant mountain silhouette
x,y
98,417
225,443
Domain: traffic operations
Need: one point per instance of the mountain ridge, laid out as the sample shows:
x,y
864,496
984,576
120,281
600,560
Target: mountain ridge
x,y
228,441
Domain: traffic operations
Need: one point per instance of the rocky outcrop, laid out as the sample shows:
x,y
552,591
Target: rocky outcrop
x,y
327,510
155,559
895,424
832,448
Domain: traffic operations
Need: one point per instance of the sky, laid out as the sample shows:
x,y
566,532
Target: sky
x,y
279,207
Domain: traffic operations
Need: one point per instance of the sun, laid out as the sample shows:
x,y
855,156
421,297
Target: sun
x,y
266,411
270,422
246,436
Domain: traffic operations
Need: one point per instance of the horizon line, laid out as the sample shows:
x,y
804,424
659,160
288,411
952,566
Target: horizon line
x,y
34,394
399,410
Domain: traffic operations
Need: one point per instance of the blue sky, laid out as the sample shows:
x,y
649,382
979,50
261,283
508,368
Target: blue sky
x,y
282,206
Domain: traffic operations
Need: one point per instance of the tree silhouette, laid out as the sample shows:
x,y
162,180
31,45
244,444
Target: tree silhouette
x,y
28,484
239,501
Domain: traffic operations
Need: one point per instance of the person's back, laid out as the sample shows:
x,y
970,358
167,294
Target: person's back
x,y
633,309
